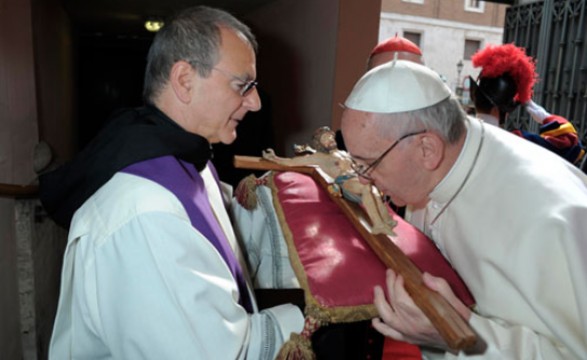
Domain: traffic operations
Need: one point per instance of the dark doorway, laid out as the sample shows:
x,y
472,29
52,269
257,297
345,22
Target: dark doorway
x,y
110,77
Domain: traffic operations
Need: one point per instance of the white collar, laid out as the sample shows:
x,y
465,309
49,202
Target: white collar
x,y
489,119
450,186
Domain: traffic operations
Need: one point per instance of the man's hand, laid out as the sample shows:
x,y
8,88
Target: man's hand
x,y
402,320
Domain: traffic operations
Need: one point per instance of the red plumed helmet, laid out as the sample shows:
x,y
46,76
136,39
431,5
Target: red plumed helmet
x,y
497,60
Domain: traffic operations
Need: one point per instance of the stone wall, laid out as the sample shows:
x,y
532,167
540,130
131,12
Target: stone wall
x,y
39,247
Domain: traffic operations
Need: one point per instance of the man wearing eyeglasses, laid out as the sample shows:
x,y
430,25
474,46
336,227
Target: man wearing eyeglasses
x,y
508,214
152,269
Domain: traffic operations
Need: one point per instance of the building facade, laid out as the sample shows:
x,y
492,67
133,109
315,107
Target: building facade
x,y
449,32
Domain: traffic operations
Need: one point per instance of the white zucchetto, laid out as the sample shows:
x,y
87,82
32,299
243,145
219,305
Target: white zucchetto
x,y
397,86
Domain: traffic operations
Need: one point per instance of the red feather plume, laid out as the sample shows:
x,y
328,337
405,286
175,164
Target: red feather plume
x,y
496,60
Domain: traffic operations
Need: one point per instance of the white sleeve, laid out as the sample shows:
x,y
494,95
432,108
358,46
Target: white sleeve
x,y
537,112
263,243
162,291
555,291
505,342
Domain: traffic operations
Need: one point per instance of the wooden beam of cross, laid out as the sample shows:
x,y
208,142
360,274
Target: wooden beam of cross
x,y
451,326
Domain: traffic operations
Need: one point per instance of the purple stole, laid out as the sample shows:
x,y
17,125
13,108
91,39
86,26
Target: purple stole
x,y
185,182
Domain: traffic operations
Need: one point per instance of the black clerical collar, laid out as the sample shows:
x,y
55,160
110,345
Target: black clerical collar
x,y
131,136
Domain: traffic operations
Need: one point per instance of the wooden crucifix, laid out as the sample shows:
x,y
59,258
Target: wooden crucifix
x,y
451,326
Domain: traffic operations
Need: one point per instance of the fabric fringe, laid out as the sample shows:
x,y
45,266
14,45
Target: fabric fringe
x,y
299,346
245,192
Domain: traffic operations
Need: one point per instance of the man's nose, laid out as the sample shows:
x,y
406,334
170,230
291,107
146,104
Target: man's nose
x,y
252,101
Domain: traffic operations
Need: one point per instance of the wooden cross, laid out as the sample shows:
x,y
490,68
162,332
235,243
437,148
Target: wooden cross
x,y
451,326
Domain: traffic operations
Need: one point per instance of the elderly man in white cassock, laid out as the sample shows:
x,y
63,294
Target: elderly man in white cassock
x,y
508,215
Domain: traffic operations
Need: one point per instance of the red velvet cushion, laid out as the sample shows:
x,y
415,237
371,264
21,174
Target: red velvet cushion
x,y
340,267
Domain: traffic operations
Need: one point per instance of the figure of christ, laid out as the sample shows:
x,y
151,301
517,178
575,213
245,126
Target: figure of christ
x,y
337,164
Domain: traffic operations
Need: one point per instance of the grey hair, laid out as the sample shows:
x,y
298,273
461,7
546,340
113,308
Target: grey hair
x,y
192,35
447,118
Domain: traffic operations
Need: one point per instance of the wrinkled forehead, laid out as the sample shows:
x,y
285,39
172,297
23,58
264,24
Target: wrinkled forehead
x,y
360,131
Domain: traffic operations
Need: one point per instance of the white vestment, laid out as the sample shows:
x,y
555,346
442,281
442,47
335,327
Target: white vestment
x,y
511,217
140,282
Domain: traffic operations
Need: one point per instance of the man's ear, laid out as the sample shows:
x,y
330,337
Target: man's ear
x,y
431,150
181,80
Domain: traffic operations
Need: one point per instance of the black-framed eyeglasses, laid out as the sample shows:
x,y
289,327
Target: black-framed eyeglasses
x,y
363,170
245,86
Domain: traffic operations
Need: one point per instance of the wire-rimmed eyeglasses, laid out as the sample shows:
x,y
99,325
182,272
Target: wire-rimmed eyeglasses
x,y
363,170
245,86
